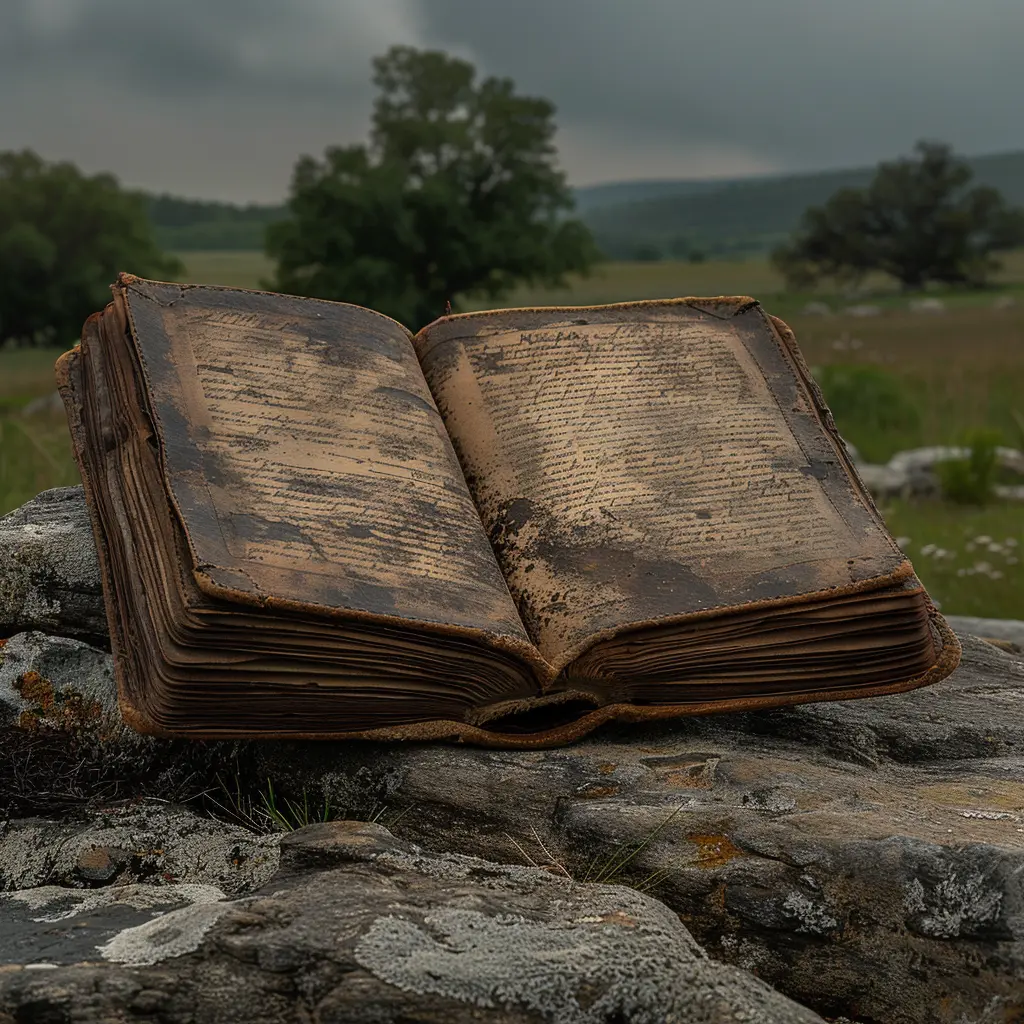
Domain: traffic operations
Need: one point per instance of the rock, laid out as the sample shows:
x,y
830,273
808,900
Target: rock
x,y
127,844
63,742
52,682
359,927
926,306
817,309
851,450
863,310
883,481
1009,631
912,473
1004,302
864,857
51,403
924,459
49,577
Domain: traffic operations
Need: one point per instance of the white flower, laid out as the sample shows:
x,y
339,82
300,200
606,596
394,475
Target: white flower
x,y
983,539
927,549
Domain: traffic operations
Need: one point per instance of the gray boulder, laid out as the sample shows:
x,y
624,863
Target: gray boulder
x,y
49,577
912,473
360,927
864,857
1007,631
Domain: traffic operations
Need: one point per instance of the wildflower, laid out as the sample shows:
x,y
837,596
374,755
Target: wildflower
x,y
983,539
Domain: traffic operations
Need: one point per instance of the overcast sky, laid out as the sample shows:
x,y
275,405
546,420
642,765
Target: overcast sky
x,y
217,98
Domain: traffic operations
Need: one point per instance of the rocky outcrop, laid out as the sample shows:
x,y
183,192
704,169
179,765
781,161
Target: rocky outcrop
x,y
360,927
49,577
865,857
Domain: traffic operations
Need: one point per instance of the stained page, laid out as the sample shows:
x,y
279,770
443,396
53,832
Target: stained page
x,y
307,462
647,460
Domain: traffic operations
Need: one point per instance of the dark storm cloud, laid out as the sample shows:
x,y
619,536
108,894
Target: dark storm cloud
x,y
793,83
204,97
218,97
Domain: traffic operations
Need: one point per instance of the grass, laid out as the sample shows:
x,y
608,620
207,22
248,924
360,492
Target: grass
x,y
234,269
969,559
35,451
614,864
265,810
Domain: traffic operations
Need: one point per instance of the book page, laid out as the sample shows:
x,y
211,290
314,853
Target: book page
x,y
307,462
644,461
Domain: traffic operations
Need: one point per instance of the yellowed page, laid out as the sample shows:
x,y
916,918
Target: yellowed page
x,y
642,461
307,462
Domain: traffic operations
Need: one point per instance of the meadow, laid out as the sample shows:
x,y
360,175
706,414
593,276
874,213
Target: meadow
x,y
897,379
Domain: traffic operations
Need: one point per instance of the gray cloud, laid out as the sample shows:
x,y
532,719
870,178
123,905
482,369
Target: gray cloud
x,y
218,97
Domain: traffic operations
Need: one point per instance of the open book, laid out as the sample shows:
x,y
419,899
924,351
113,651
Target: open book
x,y
508,529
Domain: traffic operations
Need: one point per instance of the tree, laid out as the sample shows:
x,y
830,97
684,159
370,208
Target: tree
x,y
64,236
917,220
456,194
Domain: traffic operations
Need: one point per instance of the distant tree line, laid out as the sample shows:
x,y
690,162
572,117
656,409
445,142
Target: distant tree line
x,y
188,225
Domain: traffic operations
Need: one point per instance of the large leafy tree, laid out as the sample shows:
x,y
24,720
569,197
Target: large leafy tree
x,y
64,236
917,220
457,193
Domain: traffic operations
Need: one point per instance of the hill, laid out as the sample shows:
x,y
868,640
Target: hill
x,y
738,216
715,218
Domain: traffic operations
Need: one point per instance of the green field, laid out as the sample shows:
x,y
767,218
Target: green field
x,y
955,371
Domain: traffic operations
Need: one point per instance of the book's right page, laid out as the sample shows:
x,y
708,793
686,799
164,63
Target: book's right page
x,y
639,462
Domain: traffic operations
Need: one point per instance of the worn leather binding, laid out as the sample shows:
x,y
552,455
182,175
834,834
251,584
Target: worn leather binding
x,y
506,530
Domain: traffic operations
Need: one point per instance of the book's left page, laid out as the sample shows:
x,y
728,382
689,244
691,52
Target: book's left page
x,y
307,463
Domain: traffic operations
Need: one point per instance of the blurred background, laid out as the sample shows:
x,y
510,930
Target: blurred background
x,y
858,168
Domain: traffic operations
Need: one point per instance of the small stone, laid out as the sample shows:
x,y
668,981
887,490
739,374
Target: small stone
x,y
926,306
817,309
100,864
